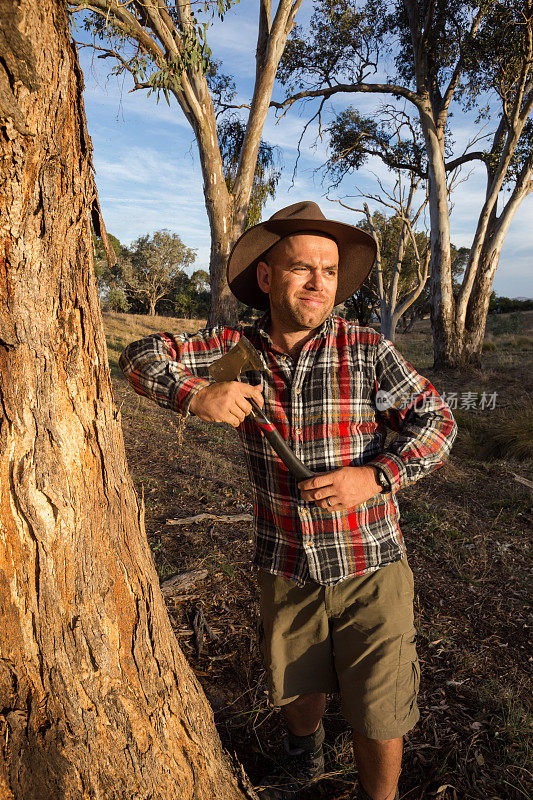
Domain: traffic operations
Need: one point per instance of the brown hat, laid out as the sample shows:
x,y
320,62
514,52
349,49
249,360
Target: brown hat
x,y
357,251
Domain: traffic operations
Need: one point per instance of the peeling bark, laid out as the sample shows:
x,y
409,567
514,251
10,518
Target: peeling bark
x,y
96,698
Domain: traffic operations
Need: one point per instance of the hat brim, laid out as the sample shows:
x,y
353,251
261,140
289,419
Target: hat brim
x,y
357,251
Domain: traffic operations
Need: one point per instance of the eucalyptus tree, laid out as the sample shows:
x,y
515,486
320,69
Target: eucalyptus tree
x,y
151,265
162,45
96,697
433,53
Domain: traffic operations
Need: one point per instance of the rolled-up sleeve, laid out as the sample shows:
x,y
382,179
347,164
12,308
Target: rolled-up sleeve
x,y
409,404
170,369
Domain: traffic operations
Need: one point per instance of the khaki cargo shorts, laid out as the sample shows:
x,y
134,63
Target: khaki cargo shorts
x,y
357,637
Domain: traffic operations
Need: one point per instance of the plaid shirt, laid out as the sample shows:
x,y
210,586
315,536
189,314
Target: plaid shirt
x,y
332,406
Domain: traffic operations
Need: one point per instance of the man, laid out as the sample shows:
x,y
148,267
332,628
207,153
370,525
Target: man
x,y
336,591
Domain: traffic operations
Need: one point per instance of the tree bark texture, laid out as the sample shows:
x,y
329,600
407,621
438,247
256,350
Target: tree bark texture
x,y
96,698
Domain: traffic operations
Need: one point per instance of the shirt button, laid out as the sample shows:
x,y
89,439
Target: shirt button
x,y
297,391
298,431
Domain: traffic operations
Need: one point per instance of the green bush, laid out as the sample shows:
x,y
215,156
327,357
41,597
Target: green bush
x,y
512,435
505,434
514,323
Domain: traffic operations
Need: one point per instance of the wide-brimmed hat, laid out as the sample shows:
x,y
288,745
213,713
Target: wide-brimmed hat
x,y
357,251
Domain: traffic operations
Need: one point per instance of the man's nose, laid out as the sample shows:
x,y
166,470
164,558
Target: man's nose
x,y
316,280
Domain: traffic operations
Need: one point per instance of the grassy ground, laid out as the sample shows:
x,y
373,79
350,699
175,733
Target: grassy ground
x,y
466,528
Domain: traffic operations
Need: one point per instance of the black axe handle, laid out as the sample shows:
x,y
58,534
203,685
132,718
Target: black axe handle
x,y
292,462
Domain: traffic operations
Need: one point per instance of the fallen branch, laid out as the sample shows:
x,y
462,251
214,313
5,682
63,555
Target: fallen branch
x,y
183,581
214,517
524,481
200,627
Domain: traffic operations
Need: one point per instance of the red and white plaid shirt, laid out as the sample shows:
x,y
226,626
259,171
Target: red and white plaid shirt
x,y
332,406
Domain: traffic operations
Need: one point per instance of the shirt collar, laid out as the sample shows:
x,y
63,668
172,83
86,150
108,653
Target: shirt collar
x,y
262,325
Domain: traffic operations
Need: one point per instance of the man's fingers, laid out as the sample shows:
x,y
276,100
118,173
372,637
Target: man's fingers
x,y
244,405
317,482
331,506
255,392
322,494
234,420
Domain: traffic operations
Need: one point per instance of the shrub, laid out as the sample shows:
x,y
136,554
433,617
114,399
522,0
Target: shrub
x,y
505,434
510,435
514,323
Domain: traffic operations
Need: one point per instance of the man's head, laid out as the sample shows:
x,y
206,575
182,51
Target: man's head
x,y
298,223
300,274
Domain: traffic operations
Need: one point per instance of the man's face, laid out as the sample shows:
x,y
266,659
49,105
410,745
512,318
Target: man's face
x,y
301,281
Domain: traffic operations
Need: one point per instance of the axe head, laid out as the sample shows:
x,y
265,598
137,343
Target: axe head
x,y
243,356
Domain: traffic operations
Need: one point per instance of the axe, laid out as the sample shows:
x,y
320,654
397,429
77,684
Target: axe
x,y
243,356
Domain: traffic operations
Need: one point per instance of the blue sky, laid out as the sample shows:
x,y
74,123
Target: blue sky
x,y
148,174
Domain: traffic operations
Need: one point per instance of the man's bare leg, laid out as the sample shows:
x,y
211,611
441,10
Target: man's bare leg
x,y
303,715
379,763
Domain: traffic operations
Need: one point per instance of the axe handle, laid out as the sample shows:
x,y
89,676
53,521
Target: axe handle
x,y
293,464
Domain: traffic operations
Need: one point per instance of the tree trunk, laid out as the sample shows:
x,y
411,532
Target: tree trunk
x,y
442,302
389,321
223,237
219,206
96,698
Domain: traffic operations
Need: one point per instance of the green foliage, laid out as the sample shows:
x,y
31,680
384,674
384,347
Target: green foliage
x,y
157,73
106,276
512,437
389,230
349,41
502,305
152,266
116,300
364,304
341,35
189,296
513,323
200,280
150,273
352,138
231,133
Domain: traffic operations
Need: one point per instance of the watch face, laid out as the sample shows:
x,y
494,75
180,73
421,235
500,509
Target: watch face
x,y
382,479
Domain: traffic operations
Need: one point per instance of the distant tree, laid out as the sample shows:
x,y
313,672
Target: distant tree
x,y
200,280
163,46
402,255
504,305
478,54
152,265
109,274
115,300
363,306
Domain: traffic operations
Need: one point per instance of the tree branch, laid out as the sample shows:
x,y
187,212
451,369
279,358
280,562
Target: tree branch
x,y
351,88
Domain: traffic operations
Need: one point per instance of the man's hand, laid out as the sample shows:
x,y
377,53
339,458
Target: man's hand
x,y
343,488
226,402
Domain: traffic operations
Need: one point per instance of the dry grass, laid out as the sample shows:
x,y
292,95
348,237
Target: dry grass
x,y
121,329
466,529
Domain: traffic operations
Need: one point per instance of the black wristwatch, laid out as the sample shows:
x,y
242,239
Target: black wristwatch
x,y
382,479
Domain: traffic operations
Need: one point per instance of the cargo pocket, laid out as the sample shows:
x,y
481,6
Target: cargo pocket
x,y
408,679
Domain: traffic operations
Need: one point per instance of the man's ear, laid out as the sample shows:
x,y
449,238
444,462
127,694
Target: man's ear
x,y
264,273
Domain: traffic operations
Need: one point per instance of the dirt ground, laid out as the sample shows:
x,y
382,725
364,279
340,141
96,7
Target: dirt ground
x,y
467,528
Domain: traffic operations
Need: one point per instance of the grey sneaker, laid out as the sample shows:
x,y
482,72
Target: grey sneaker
x,y
298,768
